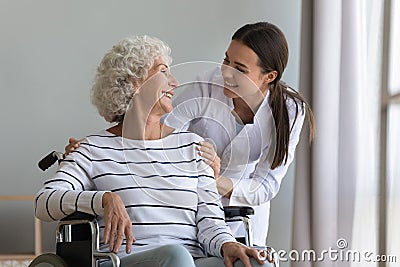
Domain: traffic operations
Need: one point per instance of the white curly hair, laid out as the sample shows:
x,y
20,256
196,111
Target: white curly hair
x,y
121,71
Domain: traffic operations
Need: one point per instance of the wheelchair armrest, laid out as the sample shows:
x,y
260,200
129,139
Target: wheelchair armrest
x,y
80,226
79,232
79,216
234,211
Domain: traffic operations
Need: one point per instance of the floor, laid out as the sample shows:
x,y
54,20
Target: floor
x,y
13,263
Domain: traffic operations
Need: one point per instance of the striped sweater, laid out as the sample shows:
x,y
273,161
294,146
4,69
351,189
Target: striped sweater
x,y
168,191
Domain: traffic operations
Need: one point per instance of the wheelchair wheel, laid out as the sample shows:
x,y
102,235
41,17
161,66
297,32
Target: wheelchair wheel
x,y
48,259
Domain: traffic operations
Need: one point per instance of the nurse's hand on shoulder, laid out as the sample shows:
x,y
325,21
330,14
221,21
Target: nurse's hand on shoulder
x,y
232,251
72,145
224,184
207,151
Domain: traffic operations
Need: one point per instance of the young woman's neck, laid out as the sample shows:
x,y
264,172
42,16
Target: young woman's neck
x,y
246,108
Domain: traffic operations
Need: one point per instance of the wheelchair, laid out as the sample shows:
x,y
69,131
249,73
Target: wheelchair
x,y
77,235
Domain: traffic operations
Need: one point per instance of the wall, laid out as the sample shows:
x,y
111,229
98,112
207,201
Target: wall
x,y
49,51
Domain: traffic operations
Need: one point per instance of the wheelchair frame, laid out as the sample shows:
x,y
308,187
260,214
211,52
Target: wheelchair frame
x,y
77,232
64,235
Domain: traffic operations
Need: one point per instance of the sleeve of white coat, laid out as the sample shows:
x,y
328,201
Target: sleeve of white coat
x,y
264,183
71,188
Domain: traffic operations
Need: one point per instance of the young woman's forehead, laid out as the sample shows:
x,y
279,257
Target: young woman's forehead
x,y
238,50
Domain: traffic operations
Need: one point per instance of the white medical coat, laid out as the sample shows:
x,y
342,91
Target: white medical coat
x,y
246,156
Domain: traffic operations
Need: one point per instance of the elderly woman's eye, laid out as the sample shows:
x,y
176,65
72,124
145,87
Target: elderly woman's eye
x,y
165,71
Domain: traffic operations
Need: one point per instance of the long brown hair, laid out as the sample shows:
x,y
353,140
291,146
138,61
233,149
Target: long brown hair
x,y
270,45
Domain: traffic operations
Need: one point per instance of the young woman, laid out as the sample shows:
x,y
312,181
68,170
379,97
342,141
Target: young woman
x,y
155,198
252,119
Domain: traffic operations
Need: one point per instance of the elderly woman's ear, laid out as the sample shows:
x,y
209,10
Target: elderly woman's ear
x,y
136,86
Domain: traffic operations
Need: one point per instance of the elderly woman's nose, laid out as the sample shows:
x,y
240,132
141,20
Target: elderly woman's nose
x,y
172,81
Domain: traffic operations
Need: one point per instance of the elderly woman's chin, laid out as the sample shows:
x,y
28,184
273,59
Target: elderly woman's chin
x,y
166,104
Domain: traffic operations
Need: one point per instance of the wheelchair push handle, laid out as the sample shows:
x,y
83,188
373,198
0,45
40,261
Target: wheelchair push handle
x,y
49,160
233,211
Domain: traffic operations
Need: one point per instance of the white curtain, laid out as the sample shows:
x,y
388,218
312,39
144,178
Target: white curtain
x,y
393,186
337,179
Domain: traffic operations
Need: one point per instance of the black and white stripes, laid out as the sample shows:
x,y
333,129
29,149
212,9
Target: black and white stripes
x,y
168,191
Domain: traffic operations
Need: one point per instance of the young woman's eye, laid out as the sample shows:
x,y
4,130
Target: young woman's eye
x,y
239,69
164,71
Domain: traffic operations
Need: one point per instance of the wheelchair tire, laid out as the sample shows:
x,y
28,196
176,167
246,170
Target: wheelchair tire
x,y
49,258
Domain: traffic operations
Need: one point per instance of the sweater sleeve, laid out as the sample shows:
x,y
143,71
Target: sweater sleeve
x,y
70,189
213,232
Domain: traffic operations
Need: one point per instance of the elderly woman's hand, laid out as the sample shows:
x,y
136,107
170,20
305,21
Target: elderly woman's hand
x,y
207,151
233,251
117,223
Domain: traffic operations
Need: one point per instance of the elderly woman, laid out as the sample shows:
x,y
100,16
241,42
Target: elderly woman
x,y
155,198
